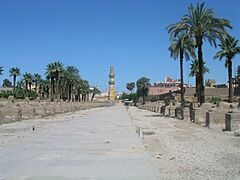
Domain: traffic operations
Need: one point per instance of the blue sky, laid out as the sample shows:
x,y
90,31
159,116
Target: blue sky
x,y
94,34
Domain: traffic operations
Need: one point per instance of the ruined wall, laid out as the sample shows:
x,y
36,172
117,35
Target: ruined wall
x,y
11,112
209,92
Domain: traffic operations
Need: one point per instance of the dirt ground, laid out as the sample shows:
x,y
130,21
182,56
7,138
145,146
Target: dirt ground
x,y
183,150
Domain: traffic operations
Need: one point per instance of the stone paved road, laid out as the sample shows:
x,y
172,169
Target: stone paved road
x,y
95,144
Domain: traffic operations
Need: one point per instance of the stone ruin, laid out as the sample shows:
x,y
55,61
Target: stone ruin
x,y
223,116
11,111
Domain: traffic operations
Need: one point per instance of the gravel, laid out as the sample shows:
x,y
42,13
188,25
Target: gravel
x,y
183,150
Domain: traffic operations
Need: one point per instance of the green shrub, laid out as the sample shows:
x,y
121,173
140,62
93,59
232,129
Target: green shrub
x,y
19,94
215,100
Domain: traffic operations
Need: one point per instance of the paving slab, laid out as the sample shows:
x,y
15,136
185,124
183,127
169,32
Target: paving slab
x,y
93,144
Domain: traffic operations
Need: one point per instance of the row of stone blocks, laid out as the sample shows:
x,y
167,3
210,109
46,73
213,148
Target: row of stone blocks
x,y
12,112
229,120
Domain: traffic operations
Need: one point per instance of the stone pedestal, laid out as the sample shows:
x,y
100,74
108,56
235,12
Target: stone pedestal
x,y
232,121
171,111
179,113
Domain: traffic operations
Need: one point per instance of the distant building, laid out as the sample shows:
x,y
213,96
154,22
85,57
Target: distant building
x,y
210,83
169,84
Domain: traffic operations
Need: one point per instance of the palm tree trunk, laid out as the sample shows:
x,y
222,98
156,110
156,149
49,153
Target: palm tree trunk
x,y
230,88
30,86
181,76
52,89
36,86
26,88
92,96
14,83
201,66
197,88
57,87
143,99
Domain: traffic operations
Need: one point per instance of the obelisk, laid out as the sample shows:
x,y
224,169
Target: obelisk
x,y
111,93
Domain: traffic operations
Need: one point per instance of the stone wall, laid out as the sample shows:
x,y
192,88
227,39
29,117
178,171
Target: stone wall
x,y
209,92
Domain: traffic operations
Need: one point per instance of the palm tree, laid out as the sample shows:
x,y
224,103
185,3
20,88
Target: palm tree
x,y
143,85
14,72
27,77
195,72
44,87
58,71
130,86
84,89
201,25
238,75
53,71
95,91
1,70
182,46
71,77
36,78
229,49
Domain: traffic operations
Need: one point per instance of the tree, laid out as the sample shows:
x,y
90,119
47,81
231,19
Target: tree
x,y
143,85
36,79
84,89
27,77
229,48
95,91
201,25
194,72
238,75
53,71
71,78
7,83
44,87
130,86
1,70
14,72
182,46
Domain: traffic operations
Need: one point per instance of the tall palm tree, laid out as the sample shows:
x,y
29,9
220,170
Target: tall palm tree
x,y
53,71
50,69
84,89
1,70
58,71
195,73
182,46
14,72
44,87
36,78
201,24
71,77
143,85
27,77
229,48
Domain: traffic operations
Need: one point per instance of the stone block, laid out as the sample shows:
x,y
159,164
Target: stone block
x,y
215,116
187,114
199,115
171,111
232,121
179,112
162,110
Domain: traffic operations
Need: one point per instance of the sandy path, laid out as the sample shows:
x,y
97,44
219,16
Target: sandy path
x,y
92,144
188,151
